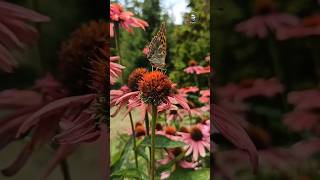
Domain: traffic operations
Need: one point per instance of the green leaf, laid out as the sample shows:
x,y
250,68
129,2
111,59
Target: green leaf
x,y
170,164
123,156
162,142
141,151
116,157
129,173
185,174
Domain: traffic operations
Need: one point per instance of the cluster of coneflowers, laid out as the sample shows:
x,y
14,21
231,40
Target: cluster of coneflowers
x,y
153,94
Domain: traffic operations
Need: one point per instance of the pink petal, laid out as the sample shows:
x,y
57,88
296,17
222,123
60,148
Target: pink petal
x,y
15,11
22,30
195,154
8,38
201,150
52,108
231,130
183,102
19,162
7,62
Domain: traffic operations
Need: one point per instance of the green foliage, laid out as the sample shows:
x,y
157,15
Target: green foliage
x,y
129,173
120,158
162,142
167,166
185,42
201,174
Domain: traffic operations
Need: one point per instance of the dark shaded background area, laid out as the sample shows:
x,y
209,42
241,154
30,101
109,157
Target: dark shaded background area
x,y
42,58
65,16
270,84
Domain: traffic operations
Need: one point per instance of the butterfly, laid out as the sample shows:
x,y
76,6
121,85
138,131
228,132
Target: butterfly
x,y
156,50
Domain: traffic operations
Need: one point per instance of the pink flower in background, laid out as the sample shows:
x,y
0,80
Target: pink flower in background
x,y
16,32
145,51
205,70
115,69
302,120
261,25
305,100
184,91
305,115
170,132
197,70
309,27
197,140
125,18
111,26
172,154
205,96
174,114
250,88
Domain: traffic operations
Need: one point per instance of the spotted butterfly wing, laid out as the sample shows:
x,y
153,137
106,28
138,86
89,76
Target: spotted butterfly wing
x,y
157,48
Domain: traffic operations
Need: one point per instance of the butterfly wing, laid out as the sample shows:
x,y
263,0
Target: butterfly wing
x,y
157,48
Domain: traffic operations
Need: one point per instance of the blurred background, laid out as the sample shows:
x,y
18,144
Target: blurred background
x,y
266,68
35,61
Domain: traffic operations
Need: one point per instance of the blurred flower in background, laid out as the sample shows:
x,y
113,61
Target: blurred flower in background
x,y
16,32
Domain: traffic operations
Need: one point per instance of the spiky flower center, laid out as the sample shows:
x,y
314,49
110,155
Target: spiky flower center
x,y
155,87
158,127
170,130
138,124
86,44
192,63
176,151
196,134
174,112
140,131
135,77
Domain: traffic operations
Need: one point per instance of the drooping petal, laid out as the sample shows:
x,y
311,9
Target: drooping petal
x,y
231,130
18,12
53,107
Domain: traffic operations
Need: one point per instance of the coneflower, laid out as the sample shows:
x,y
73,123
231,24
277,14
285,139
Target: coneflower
x,y
85,44
197,140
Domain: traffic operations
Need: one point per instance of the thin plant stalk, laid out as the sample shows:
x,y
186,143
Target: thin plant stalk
x,y
117,40
134,141
195,77
146,120
117,37
65,169
153,141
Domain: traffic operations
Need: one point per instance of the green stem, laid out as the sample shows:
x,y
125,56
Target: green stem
x,y
134,141
195,77
148,133
117,37
117,40
153,142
